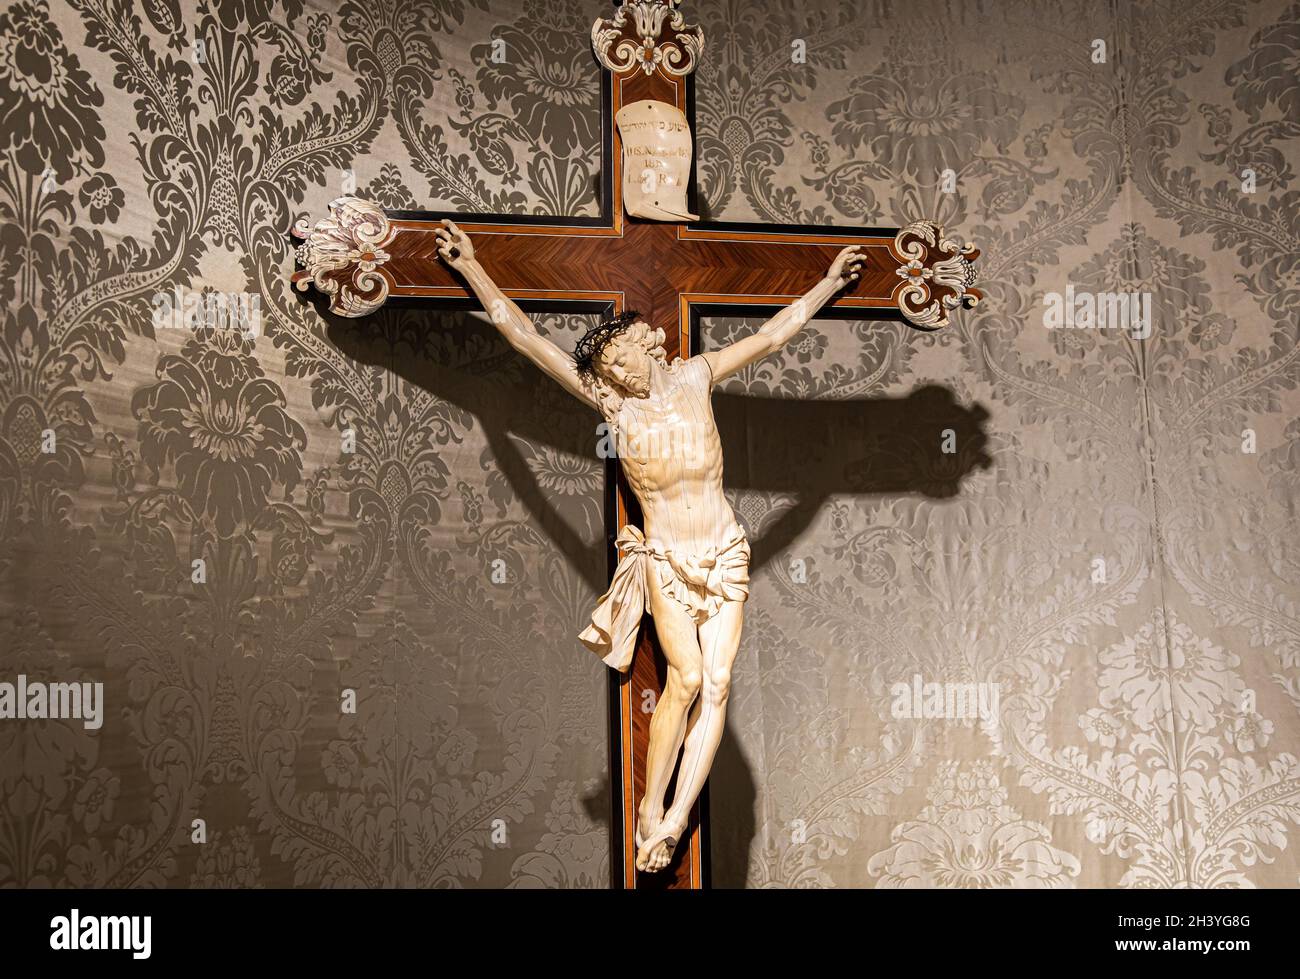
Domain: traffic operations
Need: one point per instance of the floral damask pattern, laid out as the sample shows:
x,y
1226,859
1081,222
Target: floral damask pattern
x,y
240,534
969,837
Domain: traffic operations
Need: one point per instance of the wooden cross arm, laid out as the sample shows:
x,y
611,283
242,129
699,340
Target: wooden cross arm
x,y
359,257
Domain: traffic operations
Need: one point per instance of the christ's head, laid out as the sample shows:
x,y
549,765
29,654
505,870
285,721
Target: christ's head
x,y
621,353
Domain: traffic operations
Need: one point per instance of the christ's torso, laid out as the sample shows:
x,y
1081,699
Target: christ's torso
x,y
672,457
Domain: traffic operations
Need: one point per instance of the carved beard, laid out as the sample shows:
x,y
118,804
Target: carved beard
x,y
638,386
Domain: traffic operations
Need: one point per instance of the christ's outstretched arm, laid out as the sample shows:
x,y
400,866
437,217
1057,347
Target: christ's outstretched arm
x,y
519,331
785,325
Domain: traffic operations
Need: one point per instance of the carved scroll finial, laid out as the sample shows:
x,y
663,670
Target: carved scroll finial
x,y
650,35
341,256
937,274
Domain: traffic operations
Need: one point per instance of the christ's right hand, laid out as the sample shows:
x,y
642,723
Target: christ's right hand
x,y
454,246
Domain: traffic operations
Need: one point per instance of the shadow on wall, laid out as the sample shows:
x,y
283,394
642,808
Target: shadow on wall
x,y
501,419
922,444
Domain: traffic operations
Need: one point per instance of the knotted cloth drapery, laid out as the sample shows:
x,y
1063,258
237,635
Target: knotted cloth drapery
x,y
700,583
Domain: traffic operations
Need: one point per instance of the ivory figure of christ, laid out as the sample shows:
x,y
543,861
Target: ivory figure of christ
x,y
689,565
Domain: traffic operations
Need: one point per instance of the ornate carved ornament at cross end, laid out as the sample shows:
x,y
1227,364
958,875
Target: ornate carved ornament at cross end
x,y
342,254
648,35
938,274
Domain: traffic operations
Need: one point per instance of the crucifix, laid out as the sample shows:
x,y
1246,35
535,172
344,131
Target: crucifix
x,y
656,269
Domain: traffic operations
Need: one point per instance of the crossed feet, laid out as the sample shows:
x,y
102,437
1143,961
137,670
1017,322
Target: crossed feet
x,y
656,839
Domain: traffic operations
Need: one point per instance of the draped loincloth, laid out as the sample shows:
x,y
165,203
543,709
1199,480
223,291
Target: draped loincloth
x,y
700,584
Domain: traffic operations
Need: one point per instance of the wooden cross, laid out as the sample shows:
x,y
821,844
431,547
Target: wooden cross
x,y
673,273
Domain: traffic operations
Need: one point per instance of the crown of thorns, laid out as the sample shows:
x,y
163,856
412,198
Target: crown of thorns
x,y
597,339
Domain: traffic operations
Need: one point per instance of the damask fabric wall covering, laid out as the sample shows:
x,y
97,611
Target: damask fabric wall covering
x,y
1112,548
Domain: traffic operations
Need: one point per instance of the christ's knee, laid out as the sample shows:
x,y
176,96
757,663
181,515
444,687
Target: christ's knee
x,y
684,686
718,687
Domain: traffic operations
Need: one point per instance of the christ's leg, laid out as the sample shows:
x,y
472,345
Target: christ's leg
x,y
719,640
678,638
